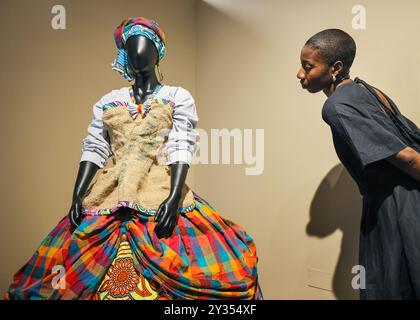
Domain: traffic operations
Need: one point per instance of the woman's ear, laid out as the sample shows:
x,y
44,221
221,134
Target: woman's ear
x,y
338,67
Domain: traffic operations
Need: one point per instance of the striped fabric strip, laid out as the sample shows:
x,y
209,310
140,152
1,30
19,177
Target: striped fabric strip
x,y
132,205
164,102
114,104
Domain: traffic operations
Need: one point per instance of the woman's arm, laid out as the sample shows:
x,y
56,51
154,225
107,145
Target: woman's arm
x,y
407,160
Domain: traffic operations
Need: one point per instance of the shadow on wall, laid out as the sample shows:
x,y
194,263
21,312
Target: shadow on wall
x,y
337,204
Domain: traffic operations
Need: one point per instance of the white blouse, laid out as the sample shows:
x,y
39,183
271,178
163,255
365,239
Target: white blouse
x,y
181,144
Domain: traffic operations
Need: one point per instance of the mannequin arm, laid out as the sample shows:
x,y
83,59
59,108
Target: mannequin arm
x,y
86,172
167,214
179,172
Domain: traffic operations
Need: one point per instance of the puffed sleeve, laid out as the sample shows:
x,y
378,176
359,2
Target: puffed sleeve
x,y
95,146
370,140
181,144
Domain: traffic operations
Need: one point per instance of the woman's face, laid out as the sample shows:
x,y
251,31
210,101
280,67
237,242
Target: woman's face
x,y
314,74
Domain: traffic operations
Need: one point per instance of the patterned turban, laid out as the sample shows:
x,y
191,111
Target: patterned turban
x,y
131,27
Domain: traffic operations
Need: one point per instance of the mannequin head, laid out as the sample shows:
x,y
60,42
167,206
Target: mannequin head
x,y
141,45
142,54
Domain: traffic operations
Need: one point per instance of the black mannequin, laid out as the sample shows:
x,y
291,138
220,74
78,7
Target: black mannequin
x,y
142,57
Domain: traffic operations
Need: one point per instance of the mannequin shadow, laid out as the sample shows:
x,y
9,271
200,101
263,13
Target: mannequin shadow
x,y
337,204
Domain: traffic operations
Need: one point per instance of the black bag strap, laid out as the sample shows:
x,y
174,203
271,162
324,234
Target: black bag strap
x,y
410,138
372,90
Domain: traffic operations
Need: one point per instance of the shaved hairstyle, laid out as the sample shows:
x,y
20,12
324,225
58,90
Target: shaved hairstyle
x,y
334,45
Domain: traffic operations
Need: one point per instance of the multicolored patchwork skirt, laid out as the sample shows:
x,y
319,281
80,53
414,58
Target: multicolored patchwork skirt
x,y
120,257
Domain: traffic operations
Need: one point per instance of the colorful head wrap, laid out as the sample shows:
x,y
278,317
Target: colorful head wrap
x,y
131,27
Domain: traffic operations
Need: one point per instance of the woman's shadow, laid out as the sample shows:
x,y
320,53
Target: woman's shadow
x,y
337,204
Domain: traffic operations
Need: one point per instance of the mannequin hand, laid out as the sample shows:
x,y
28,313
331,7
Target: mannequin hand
x,y
75,214
167,217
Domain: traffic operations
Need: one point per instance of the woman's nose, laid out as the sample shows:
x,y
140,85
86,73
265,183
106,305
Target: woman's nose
x,y
300,74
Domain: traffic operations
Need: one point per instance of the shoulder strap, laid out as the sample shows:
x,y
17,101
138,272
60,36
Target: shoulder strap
x,y
410,137
378,95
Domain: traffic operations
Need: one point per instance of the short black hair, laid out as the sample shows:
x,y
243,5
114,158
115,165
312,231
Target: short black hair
x,y
333,45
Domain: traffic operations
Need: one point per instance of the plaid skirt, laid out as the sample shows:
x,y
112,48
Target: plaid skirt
x,y
119,256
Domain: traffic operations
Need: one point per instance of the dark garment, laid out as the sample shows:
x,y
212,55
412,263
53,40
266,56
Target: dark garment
x,y
364,135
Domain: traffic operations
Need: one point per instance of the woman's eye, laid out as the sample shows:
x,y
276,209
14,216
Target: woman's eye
x,y
306,67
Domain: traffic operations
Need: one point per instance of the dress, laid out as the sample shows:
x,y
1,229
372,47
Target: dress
x,y
363,137
115,253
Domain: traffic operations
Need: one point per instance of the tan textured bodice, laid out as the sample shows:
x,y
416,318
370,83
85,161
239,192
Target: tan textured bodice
x,y
136,174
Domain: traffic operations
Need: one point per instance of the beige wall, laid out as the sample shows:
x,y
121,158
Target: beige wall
x,y
239,58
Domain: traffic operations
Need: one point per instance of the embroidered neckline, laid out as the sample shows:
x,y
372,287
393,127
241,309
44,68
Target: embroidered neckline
x,y
142,106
